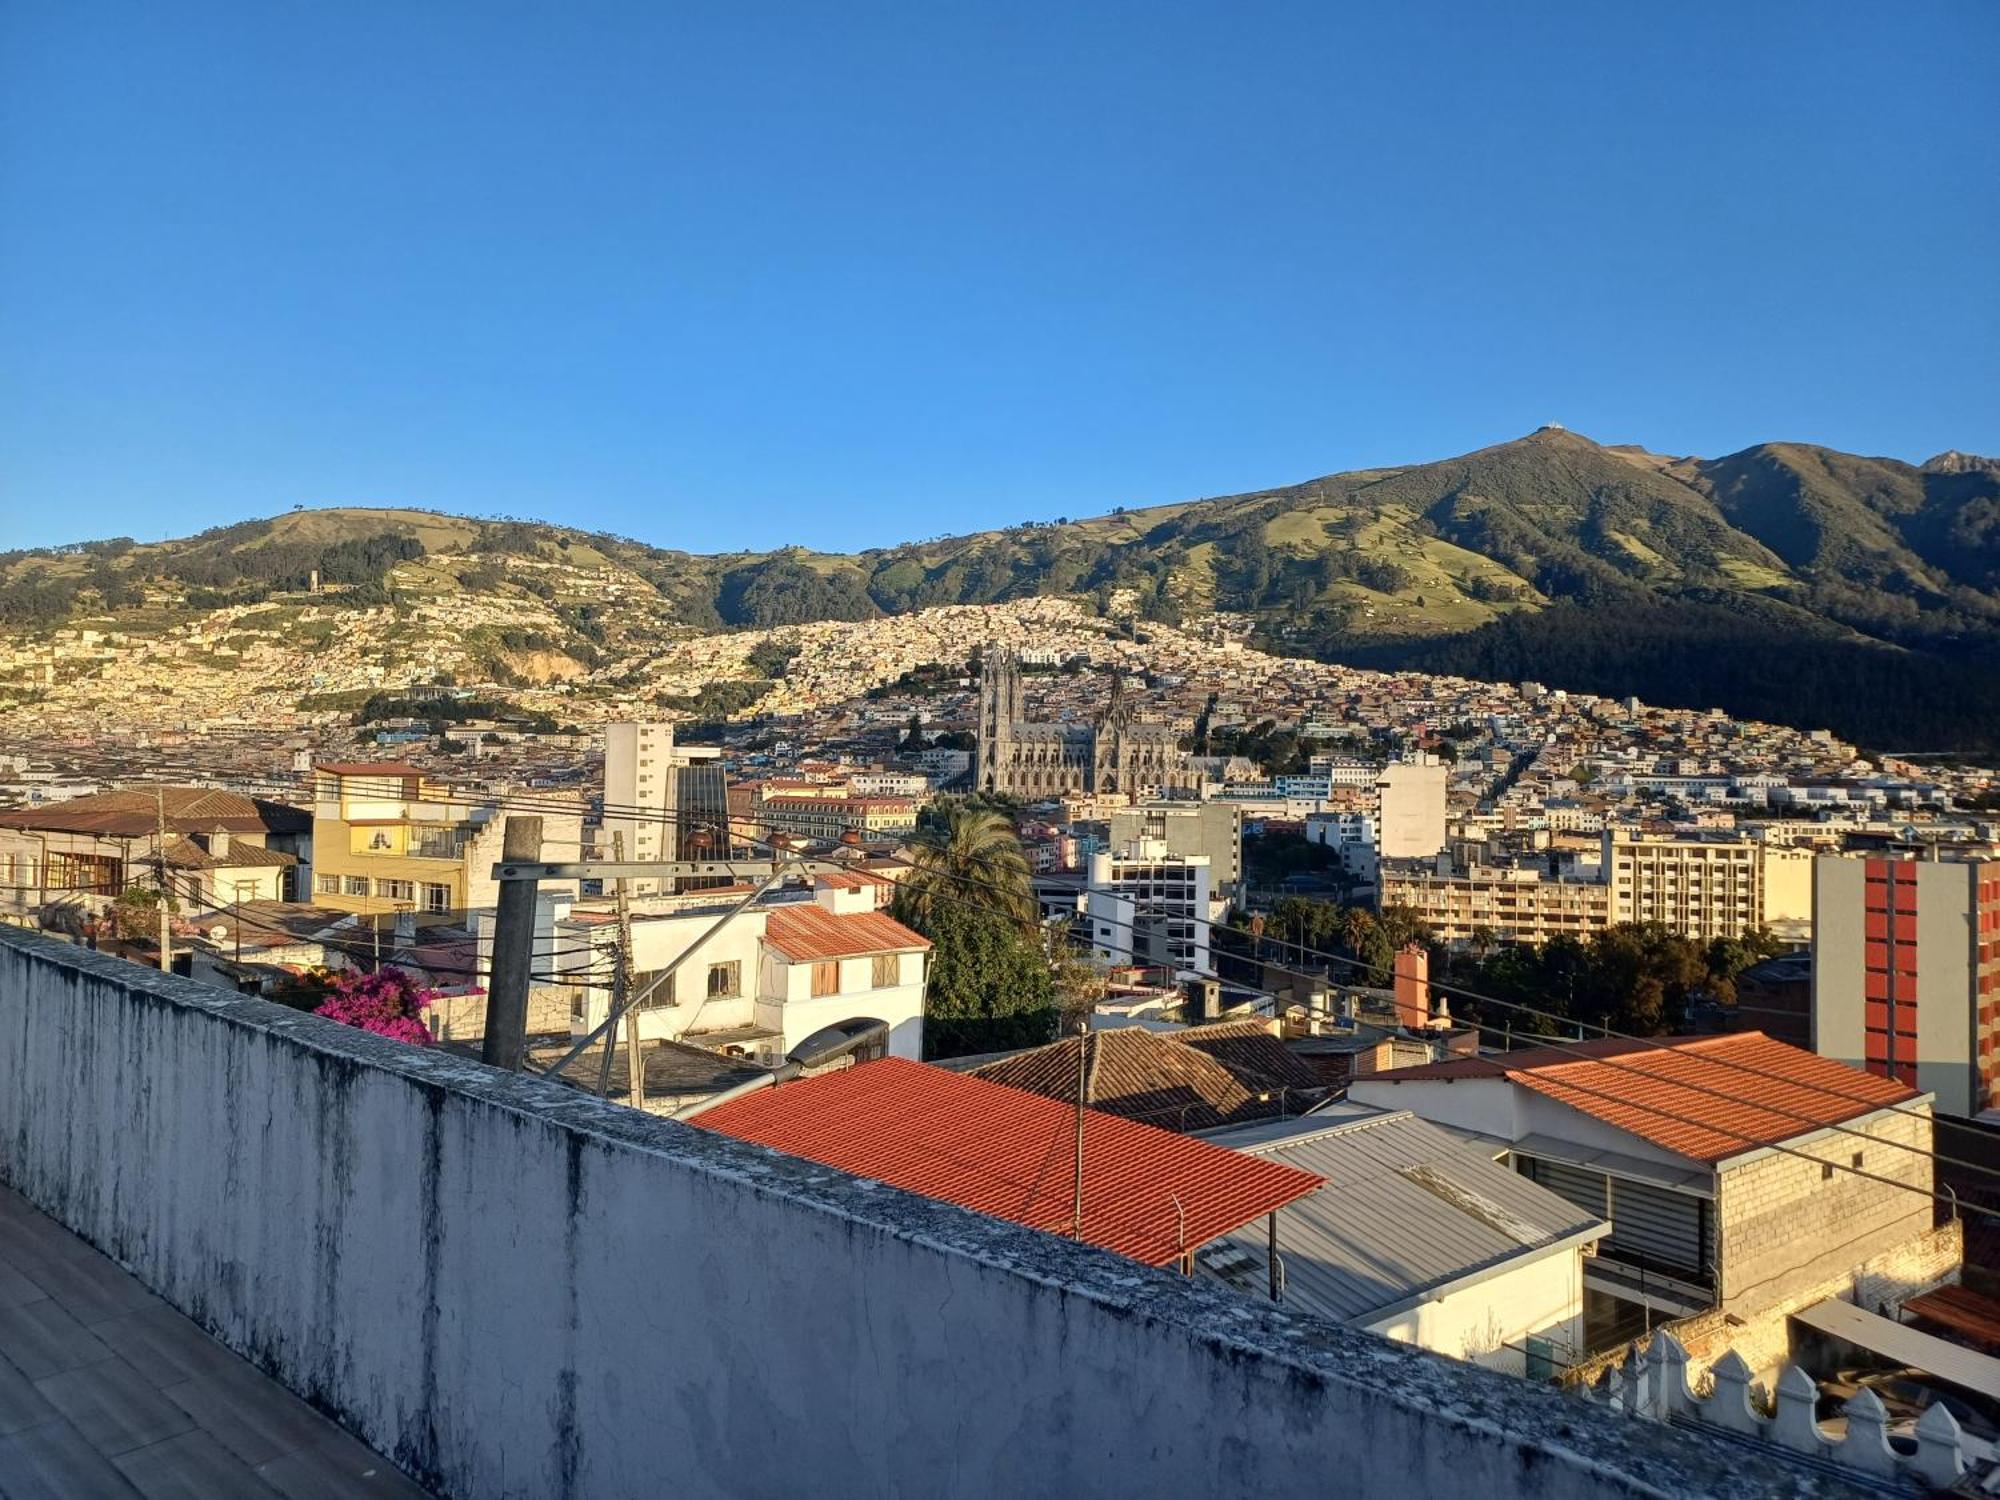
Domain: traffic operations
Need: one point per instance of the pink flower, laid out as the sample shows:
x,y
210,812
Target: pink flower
x,y
388,1002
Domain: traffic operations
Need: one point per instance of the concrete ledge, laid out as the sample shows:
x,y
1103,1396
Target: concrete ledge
x,y
516,1289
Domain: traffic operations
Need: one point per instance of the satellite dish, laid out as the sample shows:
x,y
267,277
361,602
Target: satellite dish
x,y
217,934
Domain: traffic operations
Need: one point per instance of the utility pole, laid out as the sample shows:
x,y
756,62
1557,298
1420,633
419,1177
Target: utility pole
x,y
621,990
160,867
513,951
1082,1098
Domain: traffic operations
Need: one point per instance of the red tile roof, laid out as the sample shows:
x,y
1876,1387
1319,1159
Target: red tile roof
x,y
1153,1077
1011,1154
367,768
134,812
807,932
1706,1098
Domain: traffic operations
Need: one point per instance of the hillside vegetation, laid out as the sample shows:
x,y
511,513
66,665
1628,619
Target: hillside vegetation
x,y
1785,582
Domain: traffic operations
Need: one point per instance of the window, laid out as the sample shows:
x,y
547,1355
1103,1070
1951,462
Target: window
x,y
327,885
887,970
663,993
1857,1161
357,885
437,897
725,981
826,978
395,890
1826,1171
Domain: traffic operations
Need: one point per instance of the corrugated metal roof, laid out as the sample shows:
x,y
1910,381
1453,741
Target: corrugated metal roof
x,y
807,932
1962,1310
1705,1098
1405,1211
1903,1345
1009,1153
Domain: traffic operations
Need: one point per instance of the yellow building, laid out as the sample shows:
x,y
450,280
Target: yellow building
x,y
386,840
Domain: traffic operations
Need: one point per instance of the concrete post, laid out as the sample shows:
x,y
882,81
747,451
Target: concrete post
x,y
513,951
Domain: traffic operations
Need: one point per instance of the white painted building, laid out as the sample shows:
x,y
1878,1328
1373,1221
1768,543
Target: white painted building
x,y
1144,904
1420,1237
1352,838
762,982
646,801
1410,808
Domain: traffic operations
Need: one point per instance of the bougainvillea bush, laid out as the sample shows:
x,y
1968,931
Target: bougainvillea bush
x,y
388,1002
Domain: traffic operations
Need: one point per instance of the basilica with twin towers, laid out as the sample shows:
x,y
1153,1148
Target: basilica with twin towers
x,y
1035,762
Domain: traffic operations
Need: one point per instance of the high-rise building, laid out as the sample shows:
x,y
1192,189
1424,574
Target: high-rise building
x,y
1146,905
1213,830
1906,973
1706,888
1410,812
663,801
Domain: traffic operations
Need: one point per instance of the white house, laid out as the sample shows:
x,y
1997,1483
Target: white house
x,y
1419,1237
759,983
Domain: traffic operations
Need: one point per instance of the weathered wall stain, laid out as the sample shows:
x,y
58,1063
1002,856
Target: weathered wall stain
x,y
519,1290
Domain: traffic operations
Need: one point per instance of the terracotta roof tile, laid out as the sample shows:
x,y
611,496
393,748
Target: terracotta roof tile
x,y
1250,1051
1150,1076
1705,1098
1010,1153
806,932
133,812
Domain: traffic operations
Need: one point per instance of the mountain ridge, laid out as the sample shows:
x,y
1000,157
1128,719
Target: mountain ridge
x,y
1872,583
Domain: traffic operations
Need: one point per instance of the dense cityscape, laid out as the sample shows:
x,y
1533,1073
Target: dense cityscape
x,y
999,751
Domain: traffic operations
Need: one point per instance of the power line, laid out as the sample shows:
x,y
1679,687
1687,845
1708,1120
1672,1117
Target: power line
x,y
679,816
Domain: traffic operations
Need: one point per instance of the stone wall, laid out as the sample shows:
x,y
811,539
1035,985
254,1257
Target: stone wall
x,y
515,1289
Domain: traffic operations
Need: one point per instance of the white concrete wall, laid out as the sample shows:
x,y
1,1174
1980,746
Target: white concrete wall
x,y
451,1261
1490,1321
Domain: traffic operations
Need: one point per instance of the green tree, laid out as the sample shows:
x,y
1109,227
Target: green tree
x,y
990,985
967,853
135,915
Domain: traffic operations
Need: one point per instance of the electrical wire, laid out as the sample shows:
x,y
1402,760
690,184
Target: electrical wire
x,y
628,813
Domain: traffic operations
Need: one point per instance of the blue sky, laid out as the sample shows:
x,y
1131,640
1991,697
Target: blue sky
x,y
740,275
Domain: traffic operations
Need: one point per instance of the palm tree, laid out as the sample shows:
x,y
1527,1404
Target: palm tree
x,y
970,854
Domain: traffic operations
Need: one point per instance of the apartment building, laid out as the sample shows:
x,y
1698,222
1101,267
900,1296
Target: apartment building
x,y
1706,888
662,801
1144,904
1213,830
1410,806
1505,905
388,840
829,819
1906,974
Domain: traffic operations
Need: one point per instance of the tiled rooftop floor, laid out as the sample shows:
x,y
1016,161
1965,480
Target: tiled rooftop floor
x,y
106,1391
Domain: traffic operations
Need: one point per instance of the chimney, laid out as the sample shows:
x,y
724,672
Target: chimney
x,y
218,843
1204,998
1413,987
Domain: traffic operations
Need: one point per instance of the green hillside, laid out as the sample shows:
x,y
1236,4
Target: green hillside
x,y
1787,581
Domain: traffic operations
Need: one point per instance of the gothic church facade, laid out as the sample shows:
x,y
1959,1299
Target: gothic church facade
x,y
1037,762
